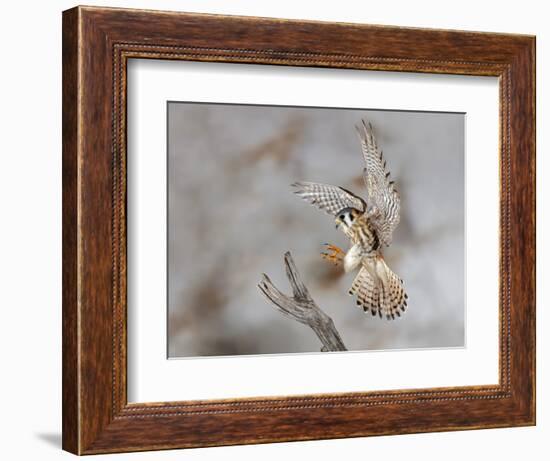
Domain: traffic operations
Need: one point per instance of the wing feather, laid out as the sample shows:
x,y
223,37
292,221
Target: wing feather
x,y
330,199
382,197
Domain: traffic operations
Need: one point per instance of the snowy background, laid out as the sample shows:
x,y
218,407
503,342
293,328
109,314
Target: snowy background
x,y
232,215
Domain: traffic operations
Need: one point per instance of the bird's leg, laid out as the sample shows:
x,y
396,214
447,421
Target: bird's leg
x,y
353,257
333,254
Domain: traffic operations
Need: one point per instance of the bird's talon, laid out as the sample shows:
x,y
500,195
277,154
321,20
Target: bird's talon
x,y
333,254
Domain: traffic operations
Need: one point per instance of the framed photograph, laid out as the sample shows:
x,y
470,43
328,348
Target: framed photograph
x,y
280,230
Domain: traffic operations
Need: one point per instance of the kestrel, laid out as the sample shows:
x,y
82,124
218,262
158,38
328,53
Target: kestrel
x,y
369,225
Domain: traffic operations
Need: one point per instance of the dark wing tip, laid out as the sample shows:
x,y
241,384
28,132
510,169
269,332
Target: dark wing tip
x,y
366,126
299,187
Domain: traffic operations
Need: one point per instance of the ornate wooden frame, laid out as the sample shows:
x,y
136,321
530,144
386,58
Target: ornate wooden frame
x,y
97,43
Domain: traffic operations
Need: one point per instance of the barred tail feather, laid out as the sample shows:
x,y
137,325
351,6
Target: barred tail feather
x,y
367,292
379,290
395,297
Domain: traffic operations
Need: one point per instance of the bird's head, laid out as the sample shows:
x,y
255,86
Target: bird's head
x,y
346,217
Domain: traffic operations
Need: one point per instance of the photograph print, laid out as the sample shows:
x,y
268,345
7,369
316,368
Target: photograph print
x,y
308,230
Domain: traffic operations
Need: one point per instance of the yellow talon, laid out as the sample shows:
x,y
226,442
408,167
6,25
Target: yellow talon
x,y
333,254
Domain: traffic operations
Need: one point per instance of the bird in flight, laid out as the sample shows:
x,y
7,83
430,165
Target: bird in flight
x,y
369,226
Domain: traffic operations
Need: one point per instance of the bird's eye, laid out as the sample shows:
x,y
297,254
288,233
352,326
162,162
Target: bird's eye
x,y
342,217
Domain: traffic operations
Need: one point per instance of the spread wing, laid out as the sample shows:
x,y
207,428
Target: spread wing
x,y
382,198
330,199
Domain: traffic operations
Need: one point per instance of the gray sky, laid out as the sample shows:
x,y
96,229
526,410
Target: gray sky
x,y
232,215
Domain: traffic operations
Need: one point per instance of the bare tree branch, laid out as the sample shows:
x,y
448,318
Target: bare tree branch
x,y
302,307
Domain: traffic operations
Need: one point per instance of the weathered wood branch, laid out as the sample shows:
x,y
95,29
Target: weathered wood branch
x,y
302,307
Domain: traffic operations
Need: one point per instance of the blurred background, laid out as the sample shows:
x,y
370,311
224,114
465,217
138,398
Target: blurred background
x,y
232,215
